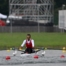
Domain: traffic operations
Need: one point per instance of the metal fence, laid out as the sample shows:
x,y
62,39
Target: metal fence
x,y
27,29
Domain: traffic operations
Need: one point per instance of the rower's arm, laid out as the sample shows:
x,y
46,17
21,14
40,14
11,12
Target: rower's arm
x,y
24,42
33,43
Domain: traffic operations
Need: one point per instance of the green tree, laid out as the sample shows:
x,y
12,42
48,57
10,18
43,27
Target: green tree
x,y
4,8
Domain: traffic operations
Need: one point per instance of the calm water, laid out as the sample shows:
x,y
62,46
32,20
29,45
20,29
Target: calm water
x,y
53,55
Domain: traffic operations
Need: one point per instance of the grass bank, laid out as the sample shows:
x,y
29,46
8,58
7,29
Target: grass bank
x,y
41,39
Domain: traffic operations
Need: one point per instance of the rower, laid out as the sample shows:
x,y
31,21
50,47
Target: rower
x,y
29,44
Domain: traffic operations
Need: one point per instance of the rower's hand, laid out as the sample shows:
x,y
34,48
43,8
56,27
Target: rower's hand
x,y
20,48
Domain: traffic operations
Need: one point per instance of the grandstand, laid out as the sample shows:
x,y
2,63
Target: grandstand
x,y
32,11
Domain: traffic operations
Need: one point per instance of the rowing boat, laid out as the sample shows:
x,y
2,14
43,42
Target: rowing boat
x,y
38,52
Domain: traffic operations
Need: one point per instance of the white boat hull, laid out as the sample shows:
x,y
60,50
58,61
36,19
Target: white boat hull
x,y
38,53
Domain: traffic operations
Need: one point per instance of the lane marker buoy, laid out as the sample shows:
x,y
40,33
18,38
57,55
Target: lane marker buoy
x,y
45,48
15,53
7,58
64,48
8,50
36,56
64,51
36,49
62,56
43,53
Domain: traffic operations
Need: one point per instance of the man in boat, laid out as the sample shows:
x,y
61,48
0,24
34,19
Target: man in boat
x,y
29,44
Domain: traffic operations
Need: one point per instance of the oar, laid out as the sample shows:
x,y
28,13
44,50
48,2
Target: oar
x,y
43,53
14,53
22,52
35,51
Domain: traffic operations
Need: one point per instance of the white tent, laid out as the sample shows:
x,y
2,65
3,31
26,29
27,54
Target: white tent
x,y
2,16
14,17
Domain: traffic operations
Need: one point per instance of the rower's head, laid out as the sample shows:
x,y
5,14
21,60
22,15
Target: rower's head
x,y
28,36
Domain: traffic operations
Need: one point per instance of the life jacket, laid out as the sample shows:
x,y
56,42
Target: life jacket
x,y
28,45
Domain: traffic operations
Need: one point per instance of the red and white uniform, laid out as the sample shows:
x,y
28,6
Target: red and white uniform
x,y
29,44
